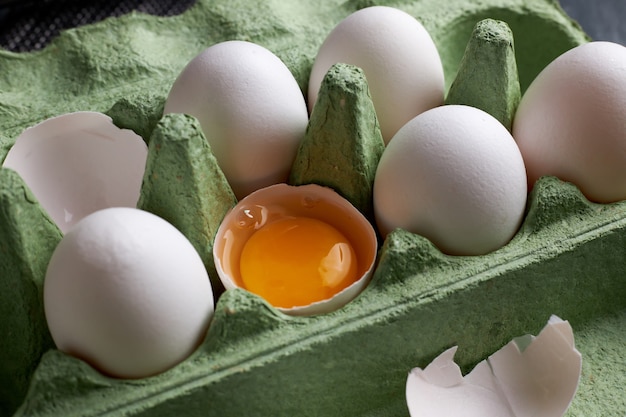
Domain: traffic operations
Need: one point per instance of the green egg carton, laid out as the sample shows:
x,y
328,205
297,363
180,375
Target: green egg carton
x,y
568,258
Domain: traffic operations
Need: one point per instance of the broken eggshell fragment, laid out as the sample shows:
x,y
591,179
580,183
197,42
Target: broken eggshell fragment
x,y
530,376
79,163
282,201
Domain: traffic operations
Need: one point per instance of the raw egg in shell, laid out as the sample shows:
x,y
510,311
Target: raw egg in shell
x,y
305,249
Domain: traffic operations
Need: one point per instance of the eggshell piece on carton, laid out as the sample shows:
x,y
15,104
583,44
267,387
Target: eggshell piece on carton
x,y
78,163
530,376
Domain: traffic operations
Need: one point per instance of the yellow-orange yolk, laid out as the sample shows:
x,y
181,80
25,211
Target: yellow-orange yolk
x,y
296,261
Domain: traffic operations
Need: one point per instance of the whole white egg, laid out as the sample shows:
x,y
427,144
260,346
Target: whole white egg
x,y
455,175
127,292
571,122
251,110
397,55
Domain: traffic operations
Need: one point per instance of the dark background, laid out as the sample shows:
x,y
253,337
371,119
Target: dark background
x,y
29,25
601,19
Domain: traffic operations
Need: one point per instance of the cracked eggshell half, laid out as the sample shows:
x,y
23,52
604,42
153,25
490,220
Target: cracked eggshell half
x,y
270,205
251,110
399,58
530,376
78,163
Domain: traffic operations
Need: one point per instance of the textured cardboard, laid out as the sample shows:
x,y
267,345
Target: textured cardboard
x,y
567,259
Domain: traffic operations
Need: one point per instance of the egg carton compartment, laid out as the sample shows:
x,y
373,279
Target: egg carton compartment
x,y
567,259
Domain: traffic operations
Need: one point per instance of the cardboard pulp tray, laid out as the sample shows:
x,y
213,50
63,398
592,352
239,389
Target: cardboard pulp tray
x,y
568,259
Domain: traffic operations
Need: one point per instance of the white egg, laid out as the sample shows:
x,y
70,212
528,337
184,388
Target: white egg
x,y
455,175
128,293
251,110
78,163
399,59
571,121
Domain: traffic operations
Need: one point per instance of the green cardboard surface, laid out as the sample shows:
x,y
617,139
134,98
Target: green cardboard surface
x,y
567,259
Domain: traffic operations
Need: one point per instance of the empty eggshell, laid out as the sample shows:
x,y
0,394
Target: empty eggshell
x,y
78,163
530,376
128,293
397,55
251,110
282,201
455,175
570,121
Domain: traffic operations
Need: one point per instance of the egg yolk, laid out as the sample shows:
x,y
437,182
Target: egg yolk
x,y
297,261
